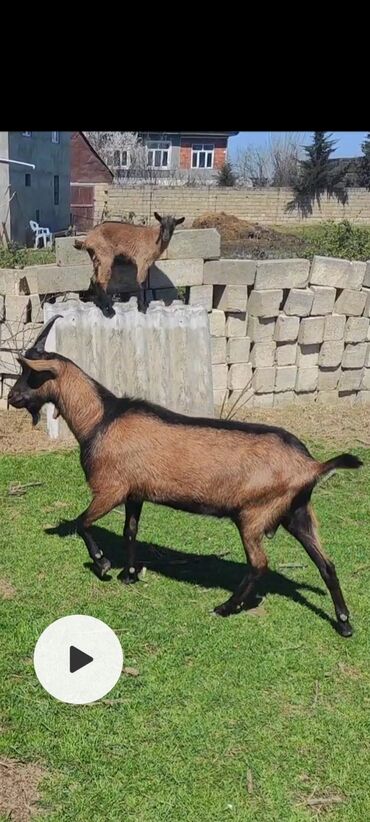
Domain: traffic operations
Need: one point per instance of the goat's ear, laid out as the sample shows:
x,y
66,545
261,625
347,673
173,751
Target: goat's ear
x,y
41,365
158,216
181,220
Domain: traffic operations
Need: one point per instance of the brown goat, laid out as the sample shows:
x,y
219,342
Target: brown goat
x,y
142,245
131,451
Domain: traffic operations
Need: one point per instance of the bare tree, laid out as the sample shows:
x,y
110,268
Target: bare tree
x,y
275,164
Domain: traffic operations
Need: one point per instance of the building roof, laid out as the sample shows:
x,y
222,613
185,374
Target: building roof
x,y
81,133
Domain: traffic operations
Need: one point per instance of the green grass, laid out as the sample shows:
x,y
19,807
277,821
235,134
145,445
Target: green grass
x,y
278,694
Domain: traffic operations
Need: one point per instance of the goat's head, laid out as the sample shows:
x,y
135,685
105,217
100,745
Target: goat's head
x,y
168,225
34,386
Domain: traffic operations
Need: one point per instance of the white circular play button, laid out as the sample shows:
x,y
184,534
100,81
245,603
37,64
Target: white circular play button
x,y
78,659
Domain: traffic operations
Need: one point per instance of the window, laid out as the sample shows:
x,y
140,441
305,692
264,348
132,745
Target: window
x,y
202,155
27,180
55,136
119,159
26,133
158,154
56,190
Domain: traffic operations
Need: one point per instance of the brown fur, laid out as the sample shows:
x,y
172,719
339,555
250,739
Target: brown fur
x,y
258,479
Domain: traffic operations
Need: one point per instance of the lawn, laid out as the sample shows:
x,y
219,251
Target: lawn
x,y
262,716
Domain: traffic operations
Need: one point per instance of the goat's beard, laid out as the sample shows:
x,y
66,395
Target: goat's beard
x,y
34,409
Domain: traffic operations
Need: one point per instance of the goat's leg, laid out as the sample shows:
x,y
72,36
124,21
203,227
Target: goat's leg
x,y
252,543
133,511
99,506
143,283
104,300
301,524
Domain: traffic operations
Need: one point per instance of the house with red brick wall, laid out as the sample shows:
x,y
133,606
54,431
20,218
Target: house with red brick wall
x,y
198,154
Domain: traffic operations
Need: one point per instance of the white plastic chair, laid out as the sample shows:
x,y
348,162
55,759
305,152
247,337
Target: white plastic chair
x,y
43,234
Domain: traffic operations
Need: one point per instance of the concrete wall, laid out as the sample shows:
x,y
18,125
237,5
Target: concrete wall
x,y
262,205
282,331
50,159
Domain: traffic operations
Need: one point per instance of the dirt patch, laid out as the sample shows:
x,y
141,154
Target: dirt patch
x,y
7,590
19,783
241,238
18,436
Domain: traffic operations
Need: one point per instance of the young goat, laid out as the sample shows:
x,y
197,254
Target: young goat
x,y
142,245
131,451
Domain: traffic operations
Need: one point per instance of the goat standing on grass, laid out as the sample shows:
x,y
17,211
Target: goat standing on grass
x,y
131,451
142,245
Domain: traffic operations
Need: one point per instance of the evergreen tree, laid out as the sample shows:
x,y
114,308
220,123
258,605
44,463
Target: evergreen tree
x,y
318,175
226,176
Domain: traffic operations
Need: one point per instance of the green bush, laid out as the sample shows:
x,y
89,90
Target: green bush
x,y
329,239
14,257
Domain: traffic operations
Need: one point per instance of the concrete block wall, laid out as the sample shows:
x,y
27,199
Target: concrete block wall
x,y
282,331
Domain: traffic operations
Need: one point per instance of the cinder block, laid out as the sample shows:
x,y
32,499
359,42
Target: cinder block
x,y
328,378
287,328
327,397
286,353
194,242
311,330
308,355
17,309
54,279
230,272
354,355
358,274
201,295
285,378
331,353
218,349
282,274
350,380
305,398
356,329
263,354
219,377
9,363
330,271
238,350
67,254
230,297
236,325
307,379
299,302
367,358
265,303
260,329
366,311
365,384
323,300
263,401
165,273
334,327
240,375
217,324
283,398
10,281
362,398
264,380
350,303
367,275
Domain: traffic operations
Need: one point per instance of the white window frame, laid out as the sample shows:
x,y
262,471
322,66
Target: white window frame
x,y
55,136
119,165
158,145
200,148
26,133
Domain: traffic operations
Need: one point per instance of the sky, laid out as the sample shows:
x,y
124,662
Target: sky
x,y
349,142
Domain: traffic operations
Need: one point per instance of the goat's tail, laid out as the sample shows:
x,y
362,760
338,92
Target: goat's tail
x,y
342,461
78,243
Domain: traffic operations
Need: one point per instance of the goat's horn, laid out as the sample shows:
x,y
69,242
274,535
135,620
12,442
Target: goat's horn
x,y
39,344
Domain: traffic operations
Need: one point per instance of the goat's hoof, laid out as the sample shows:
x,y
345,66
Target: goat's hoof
x,y
225,609
108,311
102,567
344,628
130,579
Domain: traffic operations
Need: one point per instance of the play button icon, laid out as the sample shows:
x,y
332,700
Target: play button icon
x,y
78,659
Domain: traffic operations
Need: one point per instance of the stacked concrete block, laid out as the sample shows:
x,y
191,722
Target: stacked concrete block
x,y
286,377
265,304
239,375
299,302
236,325
231,298
201,295
238,350
286,354
263,354
273,274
